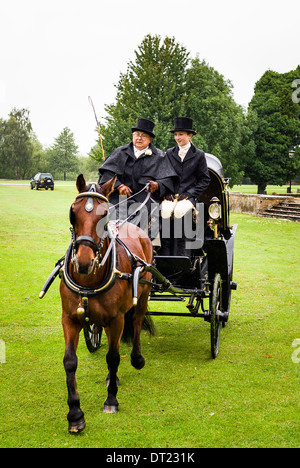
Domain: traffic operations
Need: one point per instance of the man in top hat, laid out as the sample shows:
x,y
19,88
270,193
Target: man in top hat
x,y
190,165
137,164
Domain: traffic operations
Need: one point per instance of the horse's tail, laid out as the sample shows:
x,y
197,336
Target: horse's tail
x,y
128,331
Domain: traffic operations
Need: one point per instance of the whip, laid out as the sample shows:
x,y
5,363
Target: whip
x,y
98,125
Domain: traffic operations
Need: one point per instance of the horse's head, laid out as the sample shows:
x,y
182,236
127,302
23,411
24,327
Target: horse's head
x,y
88,216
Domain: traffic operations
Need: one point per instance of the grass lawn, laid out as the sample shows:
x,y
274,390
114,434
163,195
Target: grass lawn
x,y
247,397
252,189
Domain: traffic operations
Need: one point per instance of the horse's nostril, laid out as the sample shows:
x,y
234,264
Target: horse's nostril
x,y
83,268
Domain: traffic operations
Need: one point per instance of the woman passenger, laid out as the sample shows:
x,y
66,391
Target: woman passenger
x,y
190,165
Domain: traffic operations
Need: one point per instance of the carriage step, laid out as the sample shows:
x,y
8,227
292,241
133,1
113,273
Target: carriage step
x,y
174,314
167,298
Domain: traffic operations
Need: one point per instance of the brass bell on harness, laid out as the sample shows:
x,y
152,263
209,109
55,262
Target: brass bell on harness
x,y
80,310
83,309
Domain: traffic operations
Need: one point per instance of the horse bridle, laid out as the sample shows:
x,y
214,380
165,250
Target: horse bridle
x,y
88,241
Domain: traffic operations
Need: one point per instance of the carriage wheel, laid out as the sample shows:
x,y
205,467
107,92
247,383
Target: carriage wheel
x,y
92,335
215,307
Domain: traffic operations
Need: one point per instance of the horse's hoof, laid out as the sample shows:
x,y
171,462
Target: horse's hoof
x,y
138,362
77,426
111,409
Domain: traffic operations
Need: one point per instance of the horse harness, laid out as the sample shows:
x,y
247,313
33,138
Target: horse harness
x,y
138,266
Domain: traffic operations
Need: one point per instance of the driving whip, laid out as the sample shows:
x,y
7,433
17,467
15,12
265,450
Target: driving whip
x,y
98,125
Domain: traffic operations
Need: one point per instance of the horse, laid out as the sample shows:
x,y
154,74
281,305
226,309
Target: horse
x,y
97,287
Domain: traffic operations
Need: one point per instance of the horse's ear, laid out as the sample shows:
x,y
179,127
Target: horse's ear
x,y
108,187
80,183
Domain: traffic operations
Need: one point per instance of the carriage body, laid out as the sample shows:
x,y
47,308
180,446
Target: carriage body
x,y
203,280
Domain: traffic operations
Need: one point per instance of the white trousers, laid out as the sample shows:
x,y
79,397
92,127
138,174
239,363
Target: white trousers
x,y
177,208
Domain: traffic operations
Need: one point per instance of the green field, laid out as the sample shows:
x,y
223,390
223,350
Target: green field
x,y
271,189
252,189
247,397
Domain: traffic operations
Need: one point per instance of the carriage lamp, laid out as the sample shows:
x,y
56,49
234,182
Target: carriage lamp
x,y
214,209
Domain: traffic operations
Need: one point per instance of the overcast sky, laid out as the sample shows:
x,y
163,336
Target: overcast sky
x,y
54,54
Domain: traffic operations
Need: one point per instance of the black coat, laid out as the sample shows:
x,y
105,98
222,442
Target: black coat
x,y
136,172
192,172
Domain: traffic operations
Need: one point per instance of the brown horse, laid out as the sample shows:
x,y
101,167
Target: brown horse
x,y
102,289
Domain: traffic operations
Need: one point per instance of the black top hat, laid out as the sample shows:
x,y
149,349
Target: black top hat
x,y
183,124
144,125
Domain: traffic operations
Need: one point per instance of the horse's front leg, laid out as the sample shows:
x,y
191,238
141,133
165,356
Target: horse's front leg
x,y
75,416
114,335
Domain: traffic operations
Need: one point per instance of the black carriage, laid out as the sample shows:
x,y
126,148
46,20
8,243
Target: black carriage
x,y
205,276
203,279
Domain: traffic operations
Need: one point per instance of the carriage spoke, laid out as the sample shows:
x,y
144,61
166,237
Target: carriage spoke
x,y
93,335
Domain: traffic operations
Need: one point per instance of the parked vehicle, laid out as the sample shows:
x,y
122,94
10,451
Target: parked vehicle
x,y
42,180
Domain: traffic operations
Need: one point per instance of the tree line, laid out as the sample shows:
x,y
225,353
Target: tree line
x,y
164,82
22,155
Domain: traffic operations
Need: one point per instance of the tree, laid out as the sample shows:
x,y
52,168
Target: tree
x,y
277,129
220,122
153,87
62,155
38,161
164,83
15,144
95,153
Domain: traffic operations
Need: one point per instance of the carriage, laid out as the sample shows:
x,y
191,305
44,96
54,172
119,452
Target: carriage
x,y
202,281
107,279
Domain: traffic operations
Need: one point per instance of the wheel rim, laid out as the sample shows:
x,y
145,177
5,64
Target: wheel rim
x,y
215,324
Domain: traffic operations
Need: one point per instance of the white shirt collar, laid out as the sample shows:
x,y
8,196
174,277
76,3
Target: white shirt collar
x,y
138,153
183,150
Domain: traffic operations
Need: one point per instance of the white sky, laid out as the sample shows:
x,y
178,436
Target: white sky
x,y
54,54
